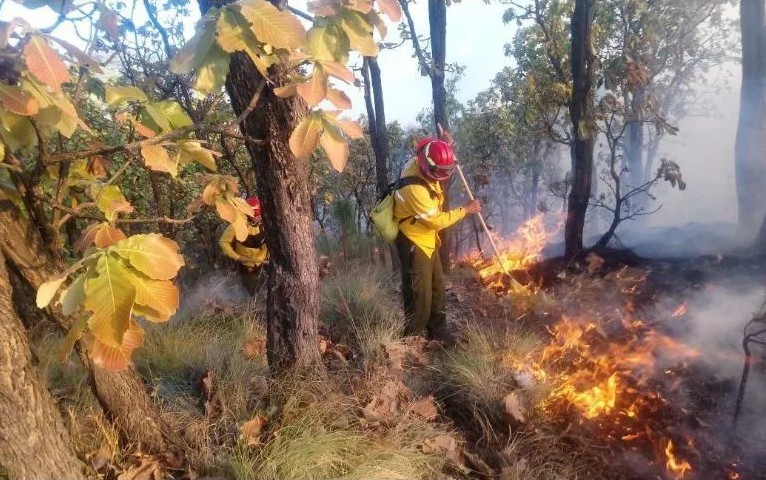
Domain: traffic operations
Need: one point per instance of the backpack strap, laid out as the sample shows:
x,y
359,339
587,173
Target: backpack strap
x,y
407,181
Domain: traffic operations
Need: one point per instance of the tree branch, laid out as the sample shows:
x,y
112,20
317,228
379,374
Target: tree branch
x,y
414,37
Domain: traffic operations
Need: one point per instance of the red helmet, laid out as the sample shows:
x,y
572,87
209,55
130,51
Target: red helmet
x,y
256,204
436,159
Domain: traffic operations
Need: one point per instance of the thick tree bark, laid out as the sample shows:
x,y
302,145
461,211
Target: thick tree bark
x,y
292,307
750,150
34,442
581,111
122,395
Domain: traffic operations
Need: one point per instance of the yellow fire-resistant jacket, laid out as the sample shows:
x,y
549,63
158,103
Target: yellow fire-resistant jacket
x,y
239,251
421,216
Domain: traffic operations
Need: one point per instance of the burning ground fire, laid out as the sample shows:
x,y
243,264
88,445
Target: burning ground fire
x,y
608,371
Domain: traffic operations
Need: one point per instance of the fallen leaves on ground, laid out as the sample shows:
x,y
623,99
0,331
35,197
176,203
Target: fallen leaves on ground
x,y
514,407
250,431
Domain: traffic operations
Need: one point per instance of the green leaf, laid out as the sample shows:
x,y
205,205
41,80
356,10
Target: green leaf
x,y
157,158
197,48
212,74
273,26
335,146
359,32
305,137
112,202
174,113
118,95
110,296
71,298
328,44
152,254
158,116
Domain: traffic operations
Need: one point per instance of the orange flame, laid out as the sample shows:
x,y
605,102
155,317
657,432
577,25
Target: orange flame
x,y
681,310
673,464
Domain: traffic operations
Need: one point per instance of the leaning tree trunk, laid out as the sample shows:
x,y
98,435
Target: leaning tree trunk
x,y
34,443
122,395
437,21
750,149
581,111
292,307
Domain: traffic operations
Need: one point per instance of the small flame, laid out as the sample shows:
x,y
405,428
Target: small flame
x,y
674,465
681,310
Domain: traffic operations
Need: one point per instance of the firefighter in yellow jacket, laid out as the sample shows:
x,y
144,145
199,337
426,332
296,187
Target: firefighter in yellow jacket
x,y
418,209
250,254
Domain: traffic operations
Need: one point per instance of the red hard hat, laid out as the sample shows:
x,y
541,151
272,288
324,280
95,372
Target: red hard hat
x,y
256,204
436,159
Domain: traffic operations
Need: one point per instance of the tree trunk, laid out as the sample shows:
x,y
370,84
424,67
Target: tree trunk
x,y
750,149
292,305
437,22
122,395
581,111
34,442
634,150
373,96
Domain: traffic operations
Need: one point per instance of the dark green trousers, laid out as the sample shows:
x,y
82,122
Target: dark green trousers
x,y
251,278
423,290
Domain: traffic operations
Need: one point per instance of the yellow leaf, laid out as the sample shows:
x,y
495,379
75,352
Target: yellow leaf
x,y
391,8
44,63
286,91
110,296
273,26
232,30
243,206
359,32
111,202
250,431
226,210
193,53
305,137
71,298
315,89
115,358
151,254
160,297
193,151
18,101
351,128
335,146
47,290
157,116
212,74
379,23
174,113
338,98
157,159
210,193
338,70
240,227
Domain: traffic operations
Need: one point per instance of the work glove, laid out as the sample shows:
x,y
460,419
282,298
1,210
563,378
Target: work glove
x,y
472,207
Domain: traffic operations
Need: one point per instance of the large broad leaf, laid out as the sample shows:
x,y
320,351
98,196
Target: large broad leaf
x,y
158,117
363,6
324,8
112,202
118,95
156,300
351,128
158,159
107,235
338,98
226,209
335,146
338,70
390,8
314,90
139,127
305,137
18,101
233,32
273,26
174,113
110,296
115,358
196,49
359,32
193,151
212,74
81,57
328,44
44,63
72,297
152,254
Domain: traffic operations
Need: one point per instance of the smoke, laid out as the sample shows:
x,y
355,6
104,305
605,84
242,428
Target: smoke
x,y
216,288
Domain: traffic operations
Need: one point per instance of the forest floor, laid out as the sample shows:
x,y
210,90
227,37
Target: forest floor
x,y
620,369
